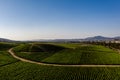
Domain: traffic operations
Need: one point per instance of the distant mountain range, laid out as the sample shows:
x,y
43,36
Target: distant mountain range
x,y
95,38
101,38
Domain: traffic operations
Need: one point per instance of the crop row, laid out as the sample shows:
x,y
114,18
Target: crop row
x,y
25,71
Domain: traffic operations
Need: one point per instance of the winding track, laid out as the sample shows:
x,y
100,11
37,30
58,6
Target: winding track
x,y
29,61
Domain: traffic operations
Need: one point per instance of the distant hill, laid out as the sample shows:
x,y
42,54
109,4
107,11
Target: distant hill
x,y
117,37
5,40
98,38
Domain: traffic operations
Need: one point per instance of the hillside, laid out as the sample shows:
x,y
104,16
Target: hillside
x,y
6,46
56,54
98,38
85,55
37,52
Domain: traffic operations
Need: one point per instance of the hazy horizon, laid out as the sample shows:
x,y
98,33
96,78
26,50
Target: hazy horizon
x,y
58,19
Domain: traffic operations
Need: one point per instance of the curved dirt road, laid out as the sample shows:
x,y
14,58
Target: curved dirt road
x,y
26,60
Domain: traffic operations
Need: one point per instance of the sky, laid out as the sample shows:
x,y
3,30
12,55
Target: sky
x,y
58,19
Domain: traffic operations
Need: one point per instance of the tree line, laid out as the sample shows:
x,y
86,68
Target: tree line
x,y
110,45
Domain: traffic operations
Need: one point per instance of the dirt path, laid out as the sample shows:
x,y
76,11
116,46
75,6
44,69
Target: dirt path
x,y
118,51
26,60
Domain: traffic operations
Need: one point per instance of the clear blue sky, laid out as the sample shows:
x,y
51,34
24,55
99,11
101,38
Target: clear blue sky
x,y
50,19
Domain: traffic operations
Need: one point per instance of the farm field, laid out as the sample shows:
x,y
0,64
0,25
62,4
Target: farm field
x,y
62,54
18,70
5,58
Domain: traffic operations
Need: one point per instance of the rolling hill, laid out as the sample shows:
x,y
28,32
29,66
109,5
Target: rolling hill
x,y
55,54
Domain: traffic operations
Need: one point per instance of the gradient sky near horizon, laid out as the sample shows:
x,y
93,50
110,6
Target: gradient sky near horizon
x,y
51,19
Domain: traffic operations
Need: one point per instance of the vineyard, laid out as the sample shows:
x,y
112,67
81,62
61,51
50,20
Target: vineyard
x,y
61,54
36,52
91,54
21,70
12,69
6,46
5,58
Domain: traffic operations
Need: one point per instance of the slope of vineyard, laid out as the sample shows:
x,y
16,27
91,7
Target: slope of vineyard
x,y
17,70
6,46
91,54
5,58
37,52
76,54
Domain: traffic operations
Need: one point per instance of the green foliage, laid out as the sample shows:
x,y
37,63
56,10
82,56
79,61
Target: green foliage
x,y
69,45
50,47
35,56
22,47
5,58
110,45
6,46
